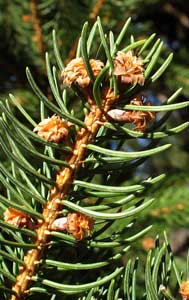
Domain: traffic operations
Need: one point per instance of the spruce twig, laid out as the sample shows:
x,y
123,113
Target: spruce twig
x,y
99,85
59,192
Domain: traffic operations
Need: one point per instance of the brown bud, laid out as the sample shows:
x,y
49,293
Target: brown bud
x,y
52,129
76,224
184,290
128,68
76,73
79,225
139,118
148,243
18,218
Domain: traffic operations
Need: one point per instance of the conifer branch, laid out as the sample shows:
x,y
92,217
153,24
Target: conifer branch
x,y
98,85
64,180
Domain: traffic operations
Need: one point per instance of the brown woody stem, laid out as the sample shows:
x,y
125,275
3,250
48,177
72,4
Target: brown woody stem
x,y
64,182
96,9
37,29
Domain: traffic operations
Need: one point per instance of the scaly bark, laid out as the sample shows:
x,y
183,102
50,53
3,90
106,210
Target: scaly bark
x,y
64,181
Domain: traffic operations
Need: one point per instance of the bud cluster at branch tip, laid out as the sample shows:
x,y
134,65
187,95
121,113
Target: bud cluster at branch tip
x,y
76,73
128,68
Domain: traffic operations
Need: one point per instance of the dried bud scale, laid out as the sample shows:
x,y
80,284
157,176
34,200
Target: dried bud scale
x,y
77,224
128,68
76,73
119,115
53,129
184,290
59,224
148,243
18,218
139,118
